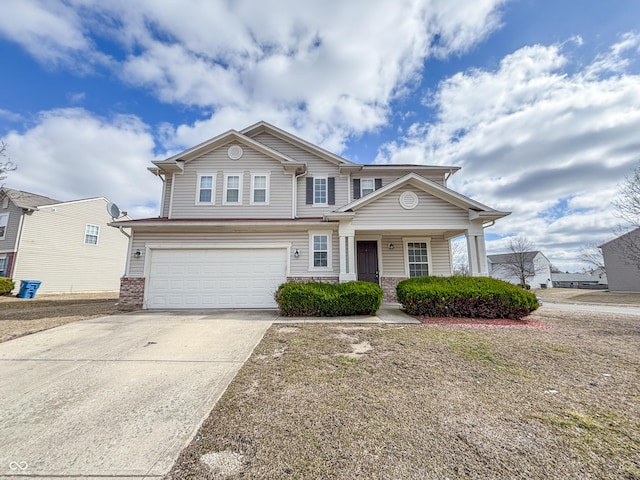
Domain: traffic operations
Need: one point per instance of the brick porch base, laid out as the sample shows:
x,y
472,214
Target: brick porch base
x,y
131,293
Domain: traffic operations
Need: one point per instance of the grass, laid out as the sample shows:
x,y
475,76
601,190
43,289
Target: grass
x,y
433,402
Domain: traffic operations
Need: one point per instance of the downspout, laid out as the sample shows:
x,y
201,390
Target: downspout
x,y
294,193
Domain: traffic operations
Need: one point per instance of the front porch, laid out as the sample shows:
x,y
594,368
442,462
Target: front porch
x,y
390,256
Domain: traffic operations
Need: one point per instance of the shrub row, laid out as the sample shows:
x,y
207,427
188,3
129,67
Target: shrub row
x,y
315,299
6,285
474,297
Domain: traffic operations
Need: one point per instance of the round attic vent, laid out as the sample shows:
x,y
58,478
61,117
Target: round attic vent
x,y
409,200
235,152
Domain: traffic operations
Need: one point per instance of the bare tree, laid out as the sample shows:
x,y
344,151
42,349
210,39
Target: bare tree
x,y
592,256
5,165
520,261
628,209
459,257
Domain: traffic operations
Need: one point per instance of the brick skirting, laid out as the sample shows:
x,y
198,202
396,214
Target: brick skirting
x,y
131,293
314,279
389,285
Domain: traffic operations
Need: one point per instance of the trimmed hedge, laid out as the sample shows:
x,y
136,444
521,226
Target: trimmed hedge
x,y
458,296
6,285
315,299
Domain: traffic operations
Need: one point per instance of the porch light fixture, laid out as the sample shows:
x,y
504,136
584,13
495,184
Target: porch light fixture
x,y
296,253
138,253
391,246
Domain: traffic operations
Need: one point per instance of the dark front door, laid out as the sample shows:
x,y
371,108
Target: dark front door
x,y
368,261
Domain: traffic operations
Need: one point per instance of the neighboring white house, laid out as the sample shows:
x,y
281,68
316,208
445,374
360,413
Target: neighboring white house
x,y
246,211
623,274
68,246
506,266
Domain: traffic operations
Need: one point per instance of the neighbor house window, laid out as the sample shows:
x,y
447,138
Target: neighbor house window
x,y
4,220
320,191
3,266
320,247
91,234
259,189
5,202
417,259
232,189
206,189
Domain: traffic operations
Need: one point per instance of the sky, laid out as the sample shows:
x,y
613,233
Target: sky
x,y
538,101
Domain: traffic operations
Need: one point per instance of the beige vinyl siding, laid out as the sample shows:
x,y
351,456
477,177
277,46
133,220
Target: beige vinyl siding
x,y
13,226
316,167
393,261
166,200
218,163
431,212
52,249
297,239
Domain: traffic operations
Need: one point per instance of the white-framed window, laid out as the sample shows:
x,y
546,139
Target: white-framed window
x,y
367,186
417,254
4,221
260,189
320,191
206,192
5,202
232,189
320,251
3,265
91,233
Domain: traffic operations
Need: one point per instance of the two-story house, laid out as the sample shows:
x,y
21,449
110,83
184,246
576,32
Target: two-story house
x,y
246,211
68,246
510,267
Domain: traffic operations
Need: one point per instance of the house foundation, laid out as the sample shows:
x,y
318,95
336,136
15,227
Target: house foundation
x,y
131,293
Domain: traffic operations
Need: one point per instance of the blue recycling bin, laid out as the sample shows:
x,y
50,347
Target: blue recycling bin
x,y
28,288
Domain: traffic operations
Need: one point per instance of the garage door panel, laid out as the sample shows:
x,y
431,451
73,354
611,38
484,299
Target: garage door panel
x,y
215,278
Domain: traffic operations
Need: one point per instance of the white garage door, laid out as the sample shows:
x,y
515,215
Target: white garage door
x,y
215,278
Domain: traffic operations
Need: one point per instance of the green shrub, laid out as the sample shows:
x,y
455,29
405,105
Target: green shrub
x,y
6,285
474,297
316,299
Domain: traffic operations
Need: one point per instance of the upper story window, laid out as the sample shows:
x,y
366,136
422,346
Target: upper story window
x,y
91,233
206,189
365,186
4,220
259,189
321,191
232,189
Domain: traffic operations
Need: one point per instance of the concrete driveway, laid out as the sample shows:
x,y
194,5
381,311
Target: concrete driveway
x,y
117,396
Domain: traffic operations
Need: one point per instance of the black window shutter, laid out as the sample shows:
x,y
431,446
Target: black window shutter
x,y
356,188
309,190
331,190
378,183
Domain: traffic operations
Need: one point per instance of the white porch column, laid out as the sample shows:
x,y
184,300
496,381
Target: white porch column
x,y
477,253
352,258
343,255
472,255
346,246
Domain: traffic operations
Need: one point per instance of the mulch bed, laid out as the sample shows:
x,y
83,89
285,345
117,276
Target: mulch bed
x,y
483,322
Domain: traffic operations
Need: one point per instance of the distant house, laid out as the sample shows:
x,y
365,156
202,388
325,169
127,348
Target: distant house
x,y
594,280
68,246
623,273
535,264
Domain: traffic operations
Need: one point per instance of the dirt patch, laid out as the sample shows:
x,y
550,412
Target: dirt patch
x,y
20,317
483,322
434,402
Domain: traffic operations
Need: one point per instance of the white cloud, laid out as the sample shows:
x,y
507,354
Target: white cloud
x,y
549,145
70,154
329,68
